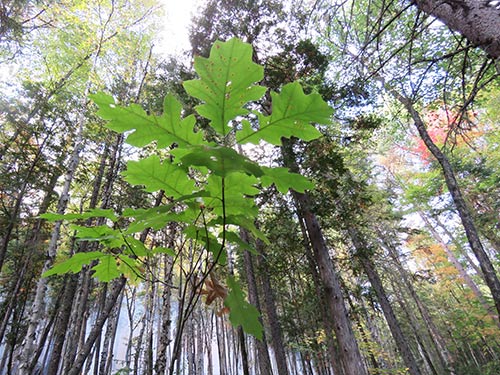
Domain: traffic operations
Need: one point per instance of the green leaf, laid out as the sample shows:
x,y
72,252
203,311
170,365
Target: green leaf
x,y
293,113
285,180
136,247
107,269
112,238
237,189
220,160
96,212
164,250
74,264
156,219
166,129
241,312
226,83
130,267
156,175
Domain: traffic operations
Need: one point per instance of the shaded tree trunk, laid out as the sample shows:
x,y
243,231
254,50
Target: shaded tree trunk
x,y
350,356
83,354
270,305
349,351
264,361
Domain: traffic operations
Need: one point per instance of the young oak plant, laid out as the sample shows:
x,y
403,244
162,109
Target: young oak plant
x,y
210,186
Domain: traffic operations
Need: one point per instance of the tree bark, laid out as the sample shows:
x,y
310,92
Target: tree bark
x,y
270,307
164,335
490,276
117,289
437,339
262,350
476,20
325,312
390,317
350,356
349,352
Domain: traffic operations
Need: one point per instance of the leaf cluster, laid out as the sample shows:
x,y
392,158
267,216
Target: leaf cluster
x,y
210,187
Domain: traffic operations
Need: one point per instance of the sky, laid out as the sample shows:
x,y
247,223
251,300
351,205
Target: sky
x,y
176,25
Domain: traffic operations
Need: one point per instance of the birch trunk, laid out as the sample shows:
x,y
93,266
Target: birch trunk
x,y
164,334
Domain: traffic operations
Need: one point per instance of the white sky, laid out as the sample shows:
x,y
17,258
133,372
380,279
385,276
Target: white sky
x,y
178,14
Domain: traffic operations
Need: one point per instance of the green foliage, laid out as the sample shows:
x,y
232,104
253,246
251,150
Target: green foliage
x,y
226,83
241,312
209,185
293,112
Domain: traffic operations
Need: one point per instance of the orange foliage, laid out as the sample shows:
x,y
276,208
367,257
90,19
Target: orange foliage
x,y
443,124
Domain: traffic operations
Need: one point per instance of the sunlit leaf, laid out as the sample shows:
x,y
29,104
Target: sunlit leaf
x,y
74,264
292,115
166,129
156,175
226,83
220,160
107,269
96,212
285,180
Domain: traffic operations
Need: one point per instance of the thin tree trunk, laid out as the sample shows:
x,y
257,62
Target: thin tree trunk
x,y
243,348
109,339
70,284
403,346
436,337
117,289
264,361
463,211
461,271
164,334
270,306
464,252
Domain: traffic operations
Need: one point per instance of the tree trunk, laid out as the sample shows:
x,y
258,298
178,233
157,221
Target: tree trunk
x,y
270,305
264,360
350,356
390,317
451,182
477,20
164,334
107,352
117,289
71,282
434,333
325,312
349,352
